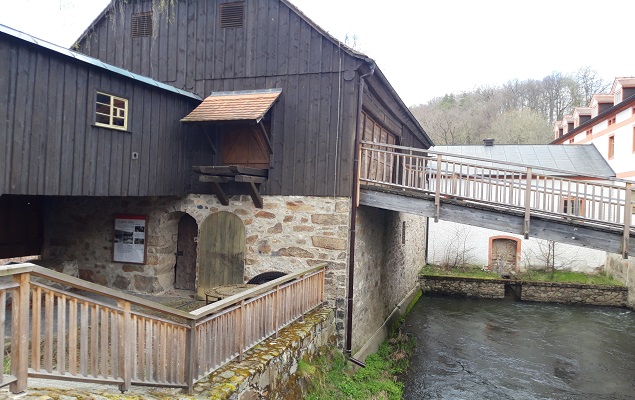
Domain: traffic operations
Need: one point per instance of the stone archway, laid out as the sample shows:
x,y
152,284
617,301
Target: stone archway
x,y
185,266
221,251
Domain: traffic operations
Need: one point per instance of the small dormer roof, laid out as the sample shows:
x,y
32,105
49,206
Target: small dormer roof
x,y
625,82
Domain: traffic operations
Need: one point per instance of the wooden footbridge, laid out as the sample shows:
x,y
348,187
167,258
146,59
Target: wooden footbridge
x,y
564,206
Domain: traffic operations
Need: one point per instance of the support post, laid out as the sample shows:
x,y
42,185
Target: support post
x,y
528,179
20,333
437,194
628,211
191,352
126,345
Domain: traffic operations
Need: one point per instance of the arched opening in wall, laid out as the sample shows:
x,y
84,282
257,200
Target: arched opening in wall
x,y
185,266
504,254
221,251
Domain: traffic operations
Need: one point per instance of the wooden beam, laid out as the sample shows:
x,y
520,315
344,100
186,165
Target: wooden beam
x,y
250,179
229,170
219,192
215,179
266,136
255,195
562,230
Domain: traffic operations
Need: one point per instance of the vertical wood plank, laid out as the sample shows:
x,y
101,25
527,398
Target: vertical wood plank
x,y
48,331
83,339
20,333
61,334
36,329
72,336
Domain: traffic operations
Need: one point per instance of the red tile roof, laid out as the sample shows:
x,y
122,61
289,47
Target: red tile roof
x,y
234,106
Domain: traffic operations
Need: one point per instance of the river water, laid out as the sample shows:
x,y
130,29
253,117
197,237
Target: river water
x,y
496,349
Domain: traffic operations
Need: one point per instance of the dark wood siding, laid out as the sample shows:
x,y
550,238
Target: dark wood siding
x,y
47,104
313,122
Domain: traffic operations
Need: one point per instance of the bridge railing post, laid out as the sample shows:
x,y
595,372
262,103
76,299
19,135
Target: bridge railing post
x,y
528,180
437,194
628,211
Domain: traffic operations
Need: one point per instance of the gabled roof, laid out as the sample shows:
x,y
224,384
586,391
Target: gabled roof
x,y
582,159
251,106
90,60
625,82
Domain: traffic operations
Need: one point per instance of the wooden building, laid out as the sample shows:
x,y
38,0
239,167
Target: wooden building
x,y
175,116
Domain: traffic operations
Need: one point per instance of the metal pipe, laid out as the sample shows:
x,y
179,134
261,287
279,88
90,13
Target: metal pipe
x,y
354,198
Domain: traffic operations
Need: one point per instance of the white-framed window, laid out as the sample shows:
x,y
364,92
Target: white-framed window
x,y
111,111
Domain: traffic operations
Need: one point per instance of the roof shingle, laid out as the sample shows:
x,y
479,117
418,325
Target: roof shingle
x,y
234,106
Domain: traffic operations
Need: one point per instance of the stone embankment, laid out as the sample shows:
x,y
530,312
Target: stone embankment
x,y
549,292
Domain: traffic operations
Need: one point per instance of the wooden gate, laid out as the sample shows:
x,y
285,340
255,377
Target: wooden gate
x,y
185,268
221,251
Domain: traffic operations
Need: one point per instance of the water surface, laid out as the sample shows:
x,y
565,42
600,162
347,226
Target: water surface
x,y
494,349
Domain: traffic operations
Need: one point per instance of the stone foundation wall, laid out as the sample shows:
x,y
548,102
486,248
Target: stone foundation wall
x,y
567,293
574,294
386,269
463,287
288,234
268,371
623,271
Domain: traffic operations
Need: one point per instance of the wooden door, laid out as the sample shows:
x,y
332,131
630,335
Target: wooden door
x,y
504,255
185,268
245,145
221,251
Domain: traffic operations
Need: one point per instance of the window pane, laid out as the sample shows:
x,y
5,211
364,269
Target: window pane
x,y
102,119
102,108
102,98
119,103
118,122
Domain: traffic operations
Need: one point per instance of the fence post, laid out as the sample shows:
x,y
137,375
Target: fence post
x,y
20,333
191,352
275,311
437,195
628,211
527,202
126,345
242,330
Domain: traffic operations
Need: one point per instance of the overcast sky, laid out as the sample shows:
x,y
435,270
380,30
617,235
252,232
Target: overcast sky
x,y
427,48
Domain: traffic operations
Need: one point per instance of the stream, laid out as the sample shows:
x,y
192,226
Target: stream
x,y
497,349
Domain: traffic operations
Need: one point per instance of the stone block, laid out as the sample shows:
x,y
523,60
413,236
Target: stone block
x,y
295,252
329,243
277,228
145,284
329,219
132,268
265,214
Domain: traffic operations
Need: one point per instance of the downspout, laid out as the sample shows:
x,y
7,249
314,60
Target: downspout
x,y
354,200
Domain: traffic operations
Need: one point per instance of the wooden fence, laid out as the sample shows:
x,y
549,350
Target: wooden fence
x,y
530,190
94,334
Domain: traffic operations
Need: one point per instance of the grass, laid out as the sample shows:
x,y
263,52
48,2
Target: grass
x,y
332,377
529,275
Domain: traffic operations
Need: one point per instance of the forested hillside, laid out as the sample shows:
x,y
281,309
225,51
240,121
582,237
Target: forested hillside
x,y
516,112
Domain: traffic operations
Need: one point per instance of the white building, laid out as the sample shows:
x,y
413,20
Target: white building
x,y
608,123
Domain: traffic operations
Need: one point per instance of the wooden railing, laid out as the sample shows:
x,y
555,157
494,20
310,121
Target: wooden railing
x,y
126,340
530,190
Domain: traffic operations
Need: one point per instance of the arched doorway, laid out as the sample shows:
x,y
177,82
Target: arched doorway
x,y
185,267
221,251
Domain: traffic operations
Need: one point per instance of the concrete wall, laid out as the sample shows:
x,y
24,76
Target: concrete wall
x,y
288,234
450,241
386,270
624,271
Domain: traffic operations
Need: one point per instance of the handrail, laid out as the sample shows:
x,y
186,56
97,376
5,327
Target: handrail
x,y
57,334
426,152
252,292
605,202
